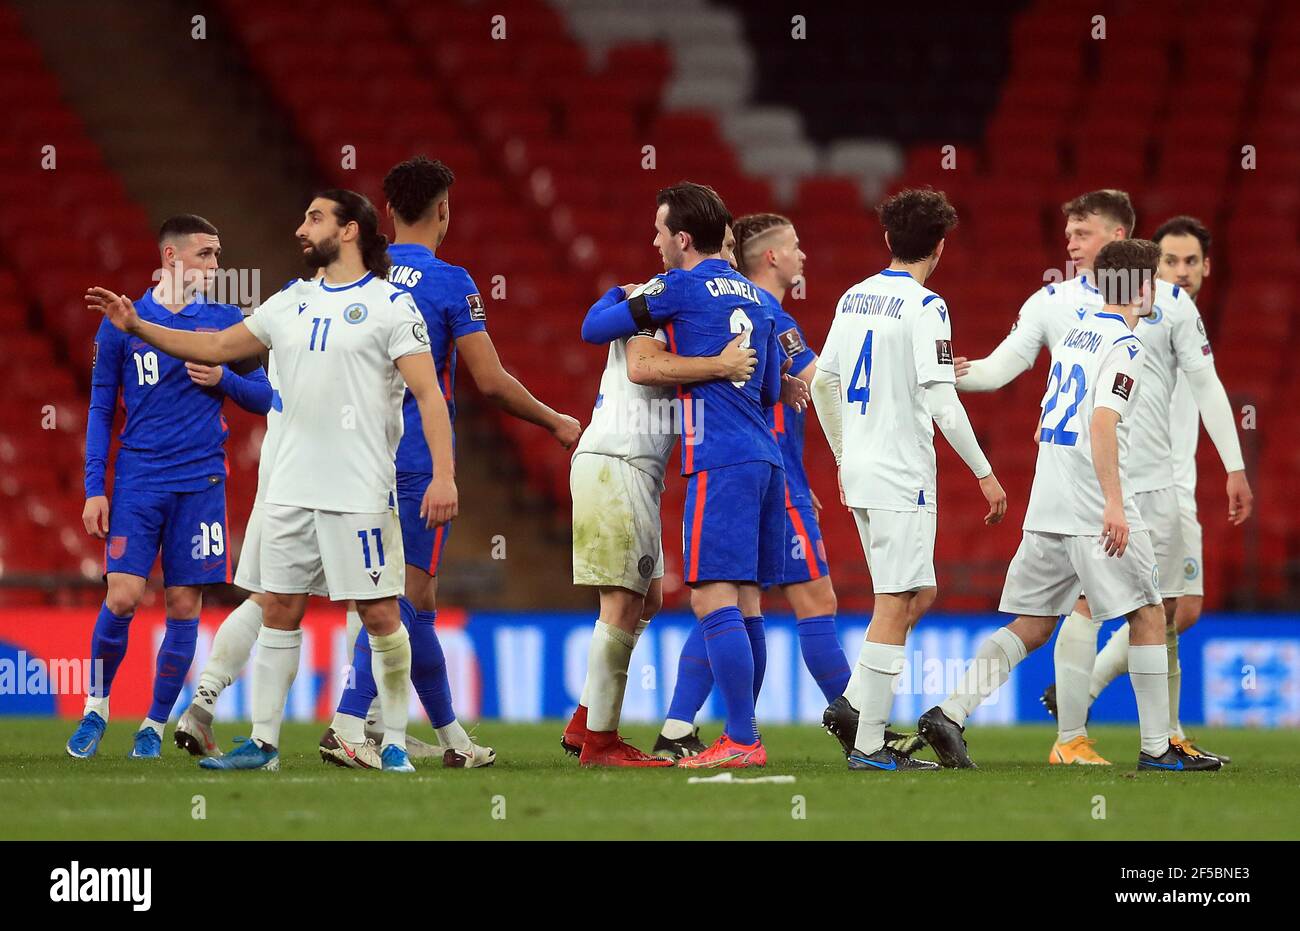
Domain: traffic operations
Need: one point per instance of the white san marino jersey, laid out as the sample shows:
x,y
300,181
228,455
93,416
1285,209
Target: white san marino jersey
x,y
341,393
271,438
890,337
631,422
1185,433
1098,363
1173,334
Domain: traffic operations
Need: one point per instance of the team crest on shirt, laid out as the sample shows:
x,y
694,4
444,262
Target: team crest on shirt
x,y
355,313
792,342
476,309
1191,568
116,547
1155,316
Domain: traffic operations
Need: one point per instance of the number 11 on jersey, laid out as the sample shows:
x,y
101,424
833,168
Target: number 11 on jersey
x,y
862,368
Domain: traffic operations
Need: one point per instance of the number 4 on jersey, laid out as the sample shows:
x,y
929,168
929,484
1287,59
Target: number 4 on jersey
x,y
862,368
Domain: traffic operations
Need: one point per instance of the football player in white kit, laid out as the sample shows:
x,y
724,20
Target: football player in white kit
x,y
1174,334
1185,262
616,478
344,345
884,378
1083,528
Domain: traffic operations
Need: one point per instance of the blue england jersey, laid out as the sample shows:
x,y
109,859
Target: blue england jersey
x,y
700,311
452,307
174,434
786,422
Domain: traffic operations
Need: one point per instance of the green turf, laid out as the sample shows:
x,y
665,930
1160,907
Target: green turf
x,y
1015,794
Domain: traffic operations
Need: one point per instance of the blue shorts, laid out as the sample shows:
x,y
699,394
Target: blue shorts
x,y
805,554
423,545
733,526
187,527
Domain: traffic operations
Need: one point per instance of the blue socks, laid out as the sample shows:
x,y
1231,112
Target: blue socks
x,y
428,669
694,678
107,647
174,659
757,646
823,655
732,658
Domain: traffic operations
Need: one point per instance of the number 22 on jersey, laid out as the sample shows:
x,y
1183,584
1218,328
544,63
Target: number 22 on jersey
x,y
1058,434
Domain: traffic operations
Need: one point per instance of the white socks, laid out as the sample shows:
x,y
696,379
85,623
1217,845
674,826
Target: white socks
x,y
353,630
273,672
390,663
453,735
230,649
607,662
97,704
676,730
156,726
585,698
1075,654
879,665
987,672
1175,680
1112,662
1148,668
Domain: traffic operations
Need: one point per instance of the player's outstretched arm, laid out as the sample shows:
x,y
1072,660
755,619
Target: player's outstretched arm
x,y
948,412
440,498
252,392
234,342
610,318
998,368
650,363
508,393
1216,413
1104,440
105,382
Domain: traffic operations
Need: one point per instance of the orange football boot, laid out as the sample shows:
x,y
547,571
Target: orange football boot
x,y
1076,752
607,748
727,754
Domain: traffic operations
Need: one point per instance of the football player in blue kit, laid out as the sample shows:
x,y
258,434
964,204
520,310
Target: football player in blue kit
x,y
169,493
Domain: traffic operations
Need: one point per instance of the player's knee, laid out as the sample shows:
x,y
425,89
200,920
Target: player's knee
x,y
124,594
183,602
825,603
1033,636
654,602
922,601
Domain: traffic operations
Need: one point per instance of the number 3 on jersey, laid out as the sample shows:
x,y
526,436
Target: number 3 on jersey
x,y
740,323
861,393
1058,434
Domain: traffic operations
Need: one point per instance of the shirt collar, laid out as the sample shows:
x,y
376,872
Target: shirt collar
x,y
343,287
189,310
895,273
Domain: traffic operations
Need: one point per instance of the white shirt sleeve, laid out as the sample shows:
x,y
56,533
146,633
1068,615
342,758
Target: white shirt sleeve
x,y
932,344
1117,379
261,322
826,399
948,413
407,333
1191,346
1216,413
829,359
1028,334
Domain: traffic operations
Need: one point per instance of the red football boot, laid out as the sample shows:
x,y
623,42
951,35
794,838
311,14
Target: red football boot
x,y
575,732
607,748
727,754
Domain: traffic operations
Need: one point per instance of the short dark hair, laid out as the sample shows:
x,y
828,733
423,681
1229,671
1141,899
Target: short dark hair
x,y
698,211
184,224
1184,226
1108,203
1121,268
916,219
351,207
415,185
748,228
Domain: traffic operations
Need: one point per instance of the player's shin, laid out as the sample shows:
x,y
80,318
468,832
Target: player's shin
x,y
732,662
1074,655
391,667
231,648
879,665
174,659
1112,662
274,668
990,668
1148,668
823,655
694,683
107,648
429,676
607,662
758,646
1175,680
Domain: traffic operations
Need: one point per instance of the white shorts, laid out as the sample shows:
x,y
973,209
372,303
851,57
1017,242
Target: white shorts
x,y
1190,525
1049,571
899,546
1160,512
617,534
349,555
248,575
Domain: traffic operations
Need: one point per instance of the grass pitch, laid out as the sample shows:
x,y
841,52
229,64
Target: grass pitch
x,y
536,792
